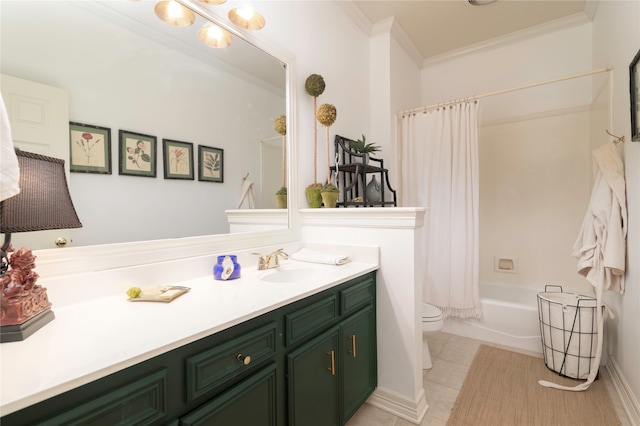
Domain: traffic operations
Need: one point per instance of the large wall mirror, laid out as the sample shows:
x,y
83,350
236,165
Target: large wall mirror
x,y
124,69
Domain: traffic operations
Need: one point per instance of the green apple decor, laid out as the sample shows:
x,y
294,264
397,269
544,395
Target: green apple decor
x,y
281,127
314,85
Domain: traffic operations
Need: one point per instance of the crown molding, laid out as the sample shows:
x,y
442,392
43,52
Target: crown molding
x,y
393,27
590,8
536,31
360,19
387,26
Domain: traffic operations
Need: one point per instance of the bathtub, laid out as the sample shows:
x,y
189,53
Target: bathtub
x,y
509,317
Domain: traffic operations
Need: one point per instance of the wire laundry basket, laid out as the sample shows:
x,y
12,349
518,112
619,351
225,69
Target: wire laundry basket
x,y
569,332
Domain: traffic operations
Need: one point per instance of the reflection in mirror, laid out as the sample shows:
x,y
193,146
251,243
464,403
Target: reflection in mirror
x,y
124,69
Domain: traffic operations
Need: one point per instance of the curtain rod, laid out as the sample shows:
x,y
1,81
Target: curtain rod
x,y
513,89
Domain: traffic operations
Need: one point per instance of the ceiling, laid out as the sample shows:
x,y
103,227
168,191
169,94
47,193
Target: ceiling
x,y
437,27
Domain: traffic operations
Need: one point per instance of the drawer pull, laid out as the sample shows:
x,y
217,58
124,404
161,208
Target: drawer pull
x,y
333,363
353,345
246,360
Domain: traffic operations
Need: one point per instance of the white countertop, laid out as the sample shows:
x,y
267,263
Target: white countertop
x,y
94,338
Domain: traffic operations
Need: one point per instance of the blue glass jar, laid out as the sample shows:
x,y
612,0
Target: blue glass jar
x,y
227,268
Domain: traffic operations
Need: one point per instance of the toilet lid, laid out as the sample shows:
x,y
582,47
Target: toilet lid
x,y
430,313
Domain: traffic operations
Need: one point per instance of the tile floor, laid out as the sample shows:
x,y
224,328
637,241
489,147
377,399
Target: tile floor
x,y
451,356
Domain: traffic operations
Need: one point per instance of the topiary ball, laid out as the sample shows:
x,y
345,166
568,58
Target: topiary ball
x,y
326,114
281,124
314,85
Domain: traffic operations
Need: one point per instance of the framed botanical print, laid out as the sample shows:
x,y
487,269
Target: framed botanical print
x,y
89,148
210,164
634,84
137,154
178,159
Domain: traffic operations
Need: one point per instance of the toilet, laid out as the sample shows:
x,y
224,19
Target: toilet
x,y
431,321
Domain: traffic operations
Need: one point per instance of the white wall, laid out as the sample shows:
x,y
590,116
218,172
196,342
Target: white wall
x,y
616,40
121,80
534,186
395,82
524,62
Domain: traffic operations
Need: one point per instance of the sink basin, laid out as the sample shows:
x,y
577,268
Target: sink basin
x,y
289,275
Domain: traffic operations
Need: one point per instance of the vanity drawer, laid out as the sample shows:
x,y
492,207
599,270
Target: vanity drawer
x,y
311,319
143,401
211,368
252,402
357,296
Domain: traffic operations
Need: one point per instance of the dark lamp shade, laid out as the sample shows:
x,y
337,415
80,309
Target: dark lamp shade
x,y
44,201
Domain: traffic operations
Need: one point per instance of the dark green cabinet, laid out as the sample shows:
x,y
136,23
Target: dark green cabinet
x,y
312,384
311,362
358,354
332,375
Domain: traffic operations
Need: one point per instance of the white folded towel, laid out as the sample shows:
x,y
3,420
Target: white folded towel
x,y
307,255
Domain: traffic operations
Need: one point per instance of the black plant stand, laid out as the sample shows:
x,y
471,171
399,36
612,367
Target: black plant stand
x,y
353,168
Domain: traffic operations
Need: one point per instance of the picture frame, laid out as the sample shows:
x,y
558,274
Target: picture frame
x,y
634,86
137,155
89,148
178,159
210,164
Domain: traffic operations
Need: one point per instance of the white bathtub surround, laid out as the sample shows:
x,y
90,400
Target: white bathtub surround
x,y
397,232
439,163
97,331
509,317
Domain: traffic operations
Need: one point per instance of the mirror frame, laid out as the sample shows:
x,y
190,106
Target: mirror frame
x,y
77,260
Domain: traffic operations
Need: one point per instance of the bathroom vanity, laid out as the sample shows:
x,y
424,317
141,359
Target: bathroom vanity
x,y
271,348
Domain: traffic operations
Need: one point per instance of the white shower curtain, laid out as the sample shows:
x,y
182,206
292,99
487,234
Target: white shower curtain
x,y
438,155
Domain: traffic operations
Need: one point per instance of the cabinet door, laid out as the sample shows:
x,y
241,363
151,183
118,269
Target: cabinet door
x,y
359,365
313,382
251,402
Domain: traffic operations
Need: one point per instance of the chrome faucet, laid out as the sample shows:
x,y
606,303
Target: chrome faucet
x,y
271,260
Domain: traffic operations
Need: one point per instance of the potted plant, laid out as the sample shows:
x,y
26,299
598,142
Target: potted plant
x,y
363,147
314,85
281,196
330,194
281,127
373,189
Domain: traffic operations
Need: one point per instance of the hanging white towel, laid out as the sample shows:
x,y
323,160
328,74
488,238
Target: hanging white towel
x,y
247,195
9,168
601,245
